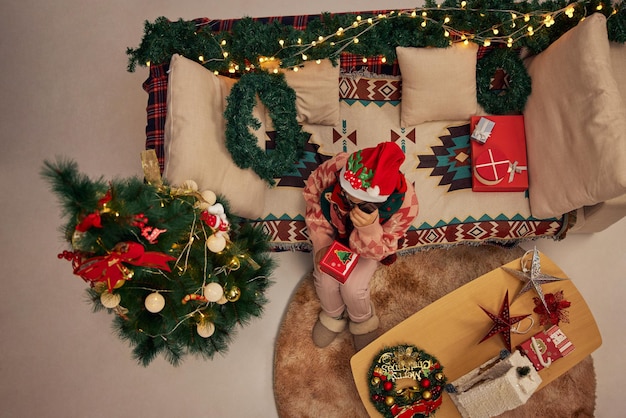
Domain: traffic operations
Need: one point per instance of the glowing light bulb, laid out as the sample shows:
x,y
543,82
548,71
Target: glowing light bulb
x,y
364,59
526,18
487,42
446,20
423,24
339,31
223,42
304,57
201,58
225,54
463,3
296,69
356,40
383,60
320,38
446,33
281,42
496,31
599,6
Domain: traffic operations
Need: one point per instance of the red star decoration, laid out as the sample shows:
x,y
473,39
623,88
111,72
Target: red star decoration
x,y
503,322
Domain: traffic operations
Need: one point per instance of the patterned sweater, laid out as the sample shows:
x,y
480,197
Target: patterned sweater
x,y
372,241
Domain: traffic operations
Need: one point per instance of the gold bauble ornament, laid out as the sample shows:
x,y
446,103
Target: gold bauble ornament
x,y
375,380
389,401
439,376
426,395
233,294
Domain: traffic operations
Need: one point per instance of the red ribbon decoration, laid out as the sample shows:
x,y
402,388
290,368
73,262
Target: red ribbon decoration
x,y
93,219
422,407
109,268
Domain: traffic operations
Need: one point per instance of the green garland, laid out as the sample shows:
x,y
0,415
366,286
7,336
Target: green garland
x,y
251,39
406,362
279,99
511,100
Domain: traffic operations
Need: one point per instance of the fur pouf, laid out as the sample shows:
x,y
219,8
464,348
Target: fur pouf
x,y
313,382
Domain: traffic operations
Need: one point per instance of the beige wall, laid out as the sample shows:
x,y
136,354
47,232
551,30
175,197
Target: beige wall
x,y
65,91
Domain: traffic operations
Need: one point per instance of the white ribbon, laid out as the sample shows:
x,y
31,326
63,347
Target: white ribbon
x,y
515,168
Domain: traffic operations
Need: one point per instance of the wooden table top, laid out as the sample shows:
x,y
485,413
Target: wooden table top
x,y
450,329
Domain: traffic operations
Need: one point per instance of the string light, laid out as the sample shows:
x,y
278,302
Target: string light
x,y
533,21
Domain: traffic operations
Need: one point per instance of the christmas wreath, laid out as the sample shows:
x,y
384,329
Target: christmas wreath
x,y
404,381
502,82
280,99
168,262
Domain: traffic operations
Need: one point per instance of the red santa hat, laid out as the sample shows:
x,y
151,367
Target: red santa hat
x,y
372,174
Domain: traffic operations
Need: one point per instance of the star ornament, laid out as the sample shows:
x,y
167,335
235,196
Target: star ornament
x,y
532,278
503,322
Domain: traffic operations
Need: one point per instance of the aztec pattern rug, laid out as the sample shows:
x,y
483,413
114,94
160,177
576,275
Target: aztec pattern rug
x,y
314,382
437,162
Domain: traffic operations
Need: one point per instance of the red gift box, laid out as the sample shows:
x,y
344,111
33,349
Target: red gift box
x,y
551,345
339,261
500,164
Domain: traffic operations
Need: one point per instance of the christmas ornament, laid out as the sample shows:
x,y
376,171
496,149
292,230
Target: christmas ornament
x,y
209,197
233,294
213,292
205,328
155,302
110,300
190,185
556,310
503,322
531,276
216,243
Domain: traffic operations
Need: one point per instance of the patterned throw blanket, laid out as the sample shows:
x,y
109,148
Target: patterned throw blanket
x,y
438,162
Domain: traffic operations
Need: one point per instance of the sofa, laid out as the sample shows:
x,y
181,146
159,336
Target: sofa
x,y
574,121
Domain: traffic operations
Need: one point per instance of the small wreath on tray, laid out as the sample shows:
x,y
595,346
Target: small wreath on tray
x,y
280,100
502,82
406,381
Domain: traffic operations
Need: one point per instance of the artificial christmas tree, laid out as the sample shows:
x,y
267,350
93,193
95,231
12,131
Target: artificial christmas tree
x,y
179,273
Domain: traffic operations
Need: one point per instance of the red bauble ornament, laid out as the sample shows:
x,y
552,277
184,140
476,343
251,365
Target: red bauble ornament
x,y
387,385
425,383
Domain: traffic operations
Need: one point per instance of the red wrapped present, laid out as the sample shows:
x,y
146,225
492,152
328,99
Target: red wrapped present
x,y
500,164
339,261
545,347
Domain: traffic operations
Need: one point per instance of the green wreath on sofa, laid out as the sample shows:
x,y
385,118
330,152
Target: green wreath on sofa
x,y
511,96
280,99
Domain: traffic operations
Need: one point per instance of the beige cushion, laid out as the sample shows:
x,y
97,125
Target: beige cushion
x,y
438,83
195,140
317,92
575,123
618,62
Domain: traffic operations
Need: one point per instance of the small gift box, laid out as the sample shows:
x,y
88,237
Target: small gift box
x,y
546,347
339,261
509,139
483,129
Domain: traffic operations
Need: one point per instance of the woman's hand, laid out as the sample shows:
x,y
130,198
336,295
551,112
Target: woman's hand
x,y
360,218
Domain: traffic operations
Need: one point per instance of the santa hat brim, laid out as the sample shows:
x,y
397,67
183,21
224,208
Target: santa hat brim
x,y
370,195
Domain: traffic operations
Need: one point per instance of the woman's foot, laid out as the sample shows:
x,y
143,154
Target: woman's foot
x,y
327,328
